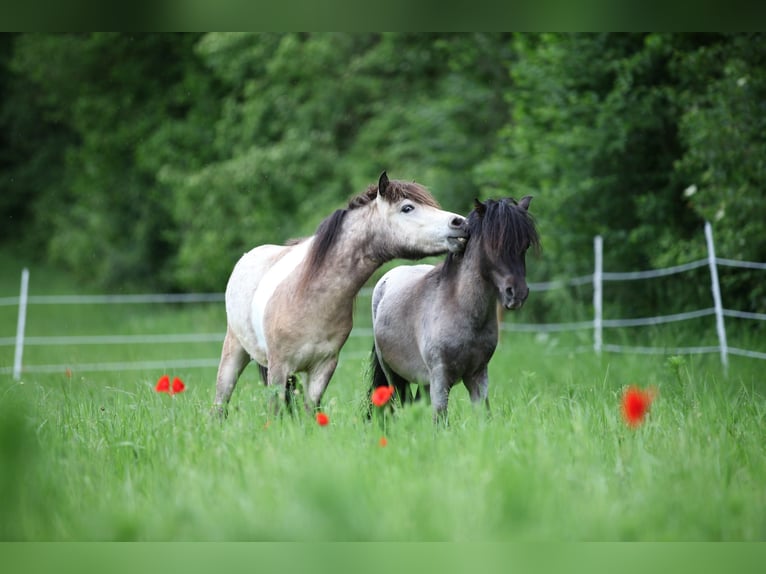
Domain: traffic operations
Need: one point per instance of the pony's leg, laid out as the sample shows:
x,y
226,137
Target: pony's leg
x,y
439,391
403,389
234,359
279,381
478,387
400,384
318,379
289,389
423,392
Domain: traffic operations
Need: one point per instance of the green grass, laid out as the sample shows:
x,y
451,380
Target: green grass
x,y
101,456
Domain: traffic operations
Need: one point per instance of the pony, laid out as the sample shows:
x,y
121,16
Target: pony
x,y
437,325
289,307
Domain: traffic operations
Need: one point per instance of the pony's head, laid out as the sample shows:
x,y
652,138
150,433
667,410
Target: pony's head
x,y
410,222
401,220
501,232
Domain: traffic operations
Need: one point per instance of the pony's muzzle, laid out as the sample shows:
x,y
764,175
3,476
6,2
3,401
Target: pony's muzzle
x,y
457,242
513,297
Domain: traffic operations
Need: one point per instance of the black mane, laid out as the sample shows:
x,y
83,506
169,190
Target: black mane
x,y
505,227
500,226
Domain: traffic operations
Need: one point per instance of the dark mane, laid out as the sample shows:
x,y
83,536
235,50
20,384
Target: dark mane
x,y
328,231
503,228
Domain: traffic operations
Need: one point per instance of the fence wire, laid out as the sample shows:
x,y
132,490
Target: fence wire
x,y
184,298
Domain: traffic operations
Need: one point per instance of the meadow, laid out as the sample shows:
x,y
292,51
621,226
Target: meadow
x,y
102,456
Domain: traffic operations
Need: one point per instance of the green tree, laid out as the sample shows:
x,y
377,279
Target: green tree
x,y
107,108
612,131
723,168
31,157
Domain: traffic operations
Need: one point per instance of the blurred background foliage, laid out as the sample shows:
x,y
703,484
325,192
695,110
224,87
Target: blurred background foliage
x,y
153,161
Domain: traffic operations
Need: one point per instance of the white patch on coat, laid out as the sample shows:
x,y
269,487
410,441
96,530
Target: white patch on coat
x,y
269,283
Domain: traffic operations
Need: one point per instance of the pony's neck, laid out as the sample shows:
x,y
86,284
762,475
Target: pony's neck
x,y
475,294
351,261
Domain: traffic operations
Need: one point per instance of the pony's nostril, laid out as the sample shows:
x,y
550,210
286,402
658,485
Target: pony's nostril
x,y
457,222
509,291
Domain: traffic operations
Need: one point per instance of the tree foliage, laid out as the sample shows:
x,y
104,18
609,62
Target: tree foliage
x,y
111,104
639,138
155,160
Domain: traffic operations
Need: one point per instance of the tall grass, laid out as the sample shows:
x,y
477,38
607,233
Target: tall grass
x,y
102,456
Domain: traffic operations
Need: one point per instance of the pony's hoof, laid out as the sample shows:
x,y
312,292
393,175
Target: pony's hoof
x,y
220,412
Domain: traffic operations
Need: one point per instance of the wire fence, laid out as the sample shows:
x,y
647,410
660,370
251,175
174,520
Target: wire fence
x,y
596,325
598,277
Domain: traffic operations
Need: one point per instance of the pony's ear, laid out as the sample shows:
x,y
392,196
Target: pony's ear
x,y
481,208
383,184
524,202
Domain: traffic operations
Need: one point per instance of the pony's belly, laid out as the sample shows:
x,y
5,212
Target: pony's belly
x,y
397,315
402,355
408,363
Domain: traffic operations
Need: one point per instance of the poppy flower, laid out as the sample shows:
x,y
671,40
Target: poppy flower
x,y
322,419
635,404
163,385
178,386
381,395
383,441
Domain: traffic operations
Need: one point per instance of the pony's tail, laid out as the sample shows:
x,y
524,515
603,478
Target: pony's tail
x,y
378,378
377,375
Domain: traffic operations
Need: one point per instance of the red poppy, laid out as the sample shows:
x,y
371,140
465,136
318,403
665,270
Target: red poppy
x,y
178,386
381,395
383,441
163,385
322,419
635,404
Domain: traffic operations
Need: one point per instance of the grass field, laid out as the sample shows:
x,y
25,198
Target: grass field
x,y
102,456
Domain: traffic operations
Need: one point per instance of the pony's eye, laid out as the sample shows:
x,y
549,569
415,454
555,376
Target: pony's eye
x,y
407,208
